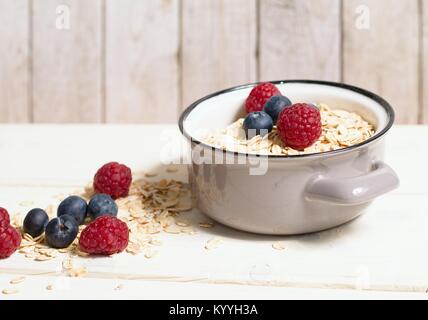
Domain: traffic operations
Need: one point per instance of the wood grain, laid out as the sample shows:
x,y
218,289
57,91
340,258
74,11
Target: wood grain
x,y
219,46
385,57
300,39
142,43
14,61
67,63
143,61
424,67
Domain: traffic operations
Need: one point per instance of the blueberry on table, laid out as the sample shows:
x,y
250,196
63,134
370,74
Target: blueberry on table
x,y
61,232
258,123
35,222
73,206
102,205
275,105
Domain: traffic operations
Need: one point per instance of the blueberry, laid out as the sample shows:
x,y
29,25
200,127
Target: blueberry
x,y
61,232
258,123
102,205
75,207
35,222
275,105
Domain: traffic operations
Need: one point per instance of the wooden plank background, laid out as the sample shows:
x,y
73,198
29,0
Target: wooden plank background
x,y
133,61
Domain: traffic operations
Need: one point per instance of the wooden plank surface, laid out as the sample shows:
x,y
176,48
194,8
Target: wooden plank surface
x,y
14,61
142,79
383,250
300,39
424,67
67,74
218,46
385,57
195,47
34,287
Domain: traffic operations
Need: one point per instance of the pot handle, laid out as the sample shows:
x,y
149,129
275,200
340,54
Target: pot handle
x,y
356,190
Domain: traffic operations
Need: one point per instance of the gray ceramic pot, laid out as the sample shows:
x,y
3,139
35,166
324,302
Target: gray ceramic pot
x,y
295,194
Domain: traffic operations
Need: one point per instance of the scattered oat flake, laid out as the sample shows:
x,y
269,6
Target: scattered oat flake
x,y
119,287
26,203
206,225
172,229
42,257
133,248
50,287
67,264
150,254
76,273
213,243
278,245
9,291
17,280
182,223
28,237
150,174
171,169
81,253
155,242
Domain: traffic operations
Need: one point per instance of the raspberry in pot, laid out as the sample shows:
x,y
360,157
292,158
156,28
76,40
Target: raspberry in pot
x,y
106,235
4,217
10,240
260,95
113,179
299,126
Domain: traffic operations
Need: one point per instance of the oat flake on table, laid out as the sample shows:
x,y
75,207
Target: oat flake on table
x,y
341,129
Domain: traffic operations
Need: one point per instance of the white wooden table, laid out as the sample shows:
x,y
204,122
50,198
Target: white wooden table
x,y
381,255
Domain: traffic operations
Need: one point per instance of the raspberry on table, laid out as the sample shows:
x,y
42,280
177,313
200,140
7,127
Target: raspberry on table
x,y
106,235
113,179
4,217
260,95
299,126
10,240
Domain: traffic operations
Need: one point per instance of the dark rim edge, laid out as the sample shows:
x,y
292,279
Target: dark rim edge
x,y
387,107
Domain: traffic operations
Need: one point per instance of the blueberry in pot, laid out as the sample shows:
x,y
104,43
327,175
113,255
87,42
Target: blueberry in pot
x,y
61,232
73,206
275,105
35,222
102,205
258,123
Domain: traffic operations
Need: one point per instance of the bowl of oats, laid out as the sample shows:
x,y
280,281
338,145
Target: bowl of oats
x,y
288,157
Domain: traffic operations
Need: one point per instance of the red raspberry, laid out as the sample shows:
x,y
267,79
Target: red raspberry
x,y
10,240
106,235
4,217
113,179
299,126
260,95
